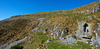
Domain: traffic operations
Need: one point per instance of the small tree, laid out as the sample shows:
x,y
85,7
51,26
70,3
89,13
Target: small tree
x,y
17,47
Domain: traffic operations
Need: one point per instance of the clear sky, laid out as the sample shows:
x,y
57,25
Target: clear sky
x,y
10,8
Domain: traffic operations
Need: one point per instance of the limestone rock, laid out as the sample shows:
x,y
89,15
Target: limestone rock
x,y
69,40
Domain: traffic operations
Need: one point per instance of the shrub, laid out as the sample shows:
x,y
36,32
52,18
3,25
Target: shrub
x,y
17,47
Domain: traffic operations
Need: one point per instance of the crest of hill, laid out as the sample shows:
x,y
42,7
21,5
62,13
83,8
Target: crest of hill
x,y
90,8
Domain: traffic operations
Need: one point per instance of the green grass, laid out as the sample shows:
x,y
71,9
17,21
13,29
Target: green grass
x,y
98,47
56,45
78,45
82,45
81,16
38,39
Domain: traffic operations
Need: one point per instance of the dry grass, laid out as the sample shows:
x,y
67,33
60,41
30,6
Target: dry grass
x,y
17,29
35,24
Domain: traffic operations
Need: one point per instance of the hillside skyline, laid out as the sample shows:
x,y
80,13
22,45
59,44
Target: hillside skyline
x,y
20,7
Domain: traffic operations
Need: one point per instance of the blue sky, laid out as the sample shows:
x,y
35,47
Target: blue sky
x,y
10,8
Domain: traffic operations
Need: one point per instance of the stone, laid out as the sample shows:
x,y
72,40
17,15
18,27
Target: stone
x,y
96,41
90,18
66,30
38,47
6,38
62,33
60,38
95,16
45,31
94,31
59,25
68,40
55,35
14,43
51,33
98,24
78,12
48,41
35,29
40,22
82,12
59,32
87,42
97,8
87,11
93,10
54,28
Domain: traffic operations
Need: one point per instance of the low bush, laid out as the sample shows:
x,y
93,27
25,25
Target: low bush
x,y
17,47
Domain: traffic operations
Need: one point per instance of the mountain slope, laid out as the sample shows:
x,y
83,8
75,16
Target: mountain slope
x,y
66,27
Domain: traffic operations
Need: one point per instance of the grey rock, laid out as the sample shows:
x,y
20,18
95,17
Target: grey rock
x,y
98,8
6,38
95,16
98,24
93,10
90,18
68,40
38,47
35,29
97,40
59,25
87,11
55,34
82,12
14,43
40,22
48,40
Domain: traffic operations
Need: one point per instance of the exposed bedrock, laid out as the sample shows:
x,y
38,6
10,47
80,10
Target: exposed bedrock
x,y
96,40
83,34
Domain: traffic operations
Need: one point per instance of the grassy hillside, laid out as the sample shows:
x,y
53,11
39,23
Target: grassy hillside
x,y
21,26
13,30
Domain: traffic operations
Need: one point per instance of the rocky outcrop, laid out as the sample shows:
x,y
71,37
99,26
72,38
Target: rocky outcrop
x,y
14,43
96,40
56,33
69,40
97,8
40,22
